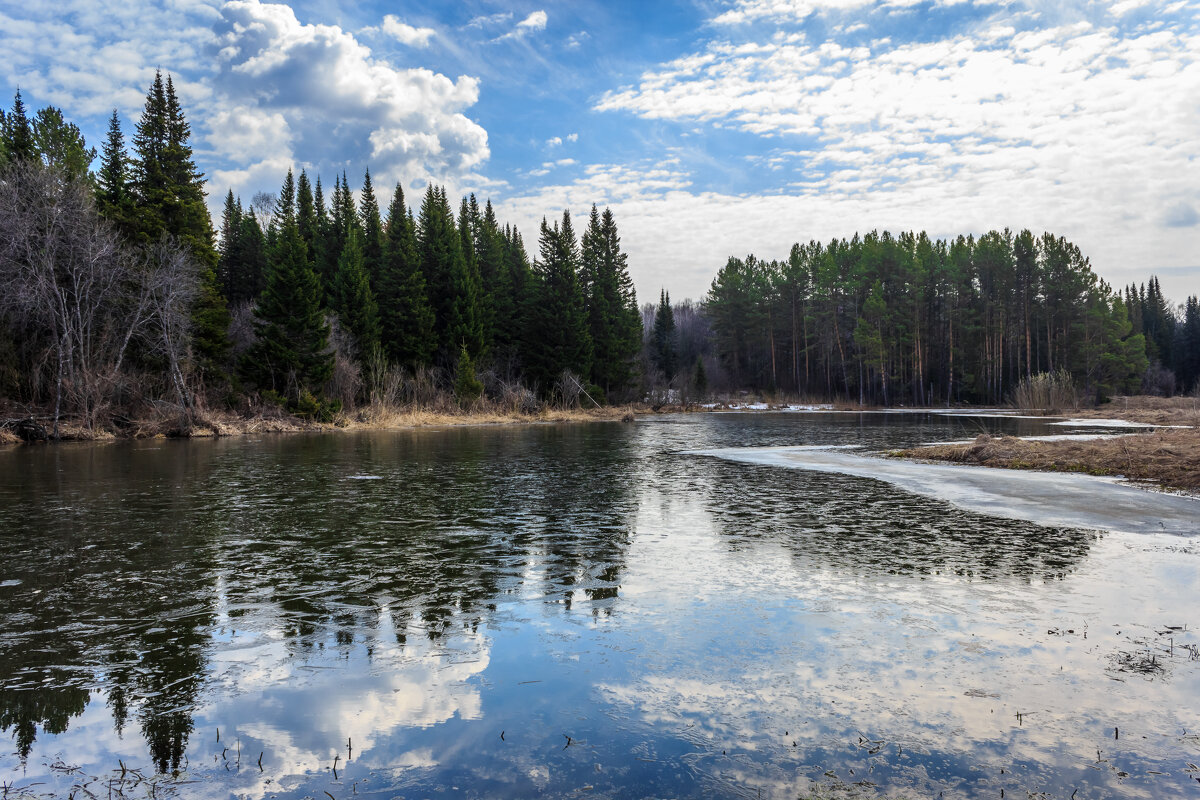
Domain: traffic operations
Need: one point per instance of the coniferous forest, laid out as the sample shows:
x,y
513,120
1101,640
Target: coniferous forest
x,y
120,294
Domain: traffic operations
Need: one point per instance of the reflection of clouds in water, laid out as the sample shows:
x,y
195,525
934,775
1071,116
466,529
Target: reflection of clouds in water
x,y
935,667
303,723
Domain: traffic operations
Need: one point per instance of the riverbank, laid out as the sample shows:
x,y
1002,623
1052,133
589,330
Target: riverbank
x,y
1168,457
27,427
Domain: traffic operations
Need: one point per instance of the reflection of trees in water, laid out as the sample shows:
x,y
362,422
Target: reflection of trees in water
x,y
454,526
103,600
868,526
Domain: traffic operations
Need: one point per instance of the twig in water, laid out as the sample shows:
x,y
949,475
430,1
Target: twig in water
x,y
331,797
260,768
568,744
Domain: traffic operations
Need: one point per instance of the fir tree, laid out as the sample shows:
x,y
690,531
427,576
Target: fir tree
x,y
352,298
406,316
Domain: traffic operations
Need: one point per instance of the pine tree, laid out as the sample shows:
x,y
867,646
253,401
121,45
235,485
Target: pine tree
x,y
60,143
406,316
352,298
664,337
557,333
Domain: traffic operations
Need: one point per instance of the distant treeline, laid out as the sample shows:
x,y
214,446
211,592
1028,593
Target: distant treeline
x,y
119,291
909,320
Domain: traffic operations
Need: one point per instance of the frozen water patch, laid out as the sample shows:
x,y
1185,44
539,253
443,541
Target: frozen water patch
x,y
1047,498
364,477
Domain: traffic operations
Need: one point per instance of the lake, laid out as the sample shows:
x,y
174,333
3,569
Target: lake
x,y
576,610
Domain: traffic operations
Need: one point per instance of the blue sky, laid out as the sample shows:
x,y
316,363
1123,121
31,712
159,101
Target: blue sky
x,y
711,127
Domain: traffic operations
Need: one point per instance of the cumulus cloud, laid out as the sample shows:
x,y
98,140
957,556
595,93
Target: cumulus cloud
x,y
328,98
406,34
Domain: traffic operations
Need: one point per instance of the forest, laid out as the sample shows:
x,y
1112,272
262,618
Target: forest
x,y
885,319
120,295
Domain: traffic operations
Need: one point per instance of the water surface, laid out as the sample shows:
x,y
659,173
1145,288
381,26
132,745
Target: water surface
x,y
584,609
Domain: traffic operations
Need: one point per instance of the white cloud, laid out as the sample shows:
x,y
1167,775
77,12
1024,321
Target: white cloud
x,y
534,22
554,141
406,34
573,137
331,99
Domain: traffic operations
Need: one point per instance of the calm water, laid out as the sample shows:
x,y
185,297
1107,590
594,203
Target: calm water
x,y
576,610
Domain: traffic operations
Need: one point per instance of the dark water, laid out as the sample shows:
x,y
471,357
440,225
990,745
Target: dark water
x,y
574,610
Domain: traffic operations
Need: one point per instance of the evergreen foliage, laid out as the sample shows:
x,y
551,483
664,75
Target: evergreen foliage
x,y
291,355
557,323
406,316
664,345
614,323
352,298
884,319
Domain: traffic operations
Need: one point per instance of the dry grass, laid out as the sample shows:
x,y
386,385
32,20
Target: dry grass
x,y
1167,457
1148,410
392,417
8,437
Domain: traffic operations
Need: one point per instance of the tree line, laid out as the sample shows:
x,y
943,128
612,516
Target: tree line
x,y
302,300
910,320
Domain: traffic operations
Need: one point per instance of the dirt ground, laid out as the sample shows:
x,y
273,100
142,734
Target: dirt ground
x,y
1169,457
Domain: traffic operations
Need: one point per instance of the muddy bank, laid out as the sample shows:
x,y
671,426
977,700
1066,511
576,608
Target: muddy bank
x,y
1169,457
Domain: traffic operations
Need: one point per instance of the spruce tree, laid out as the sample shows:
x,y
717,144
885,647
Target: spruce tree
x,y
467,387
352,298
229,247
406,316
168,195
307,220
466,314
292,352
16,141
500,317
664,352
371,225
113,195
614,322
557,332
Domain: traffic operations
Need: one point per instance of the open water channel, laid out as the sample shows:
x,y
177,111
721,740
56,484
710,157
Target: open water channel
x,y
589,610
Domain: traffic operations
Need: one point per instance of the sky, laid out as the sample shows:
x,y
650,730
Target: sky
x,y
710,127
